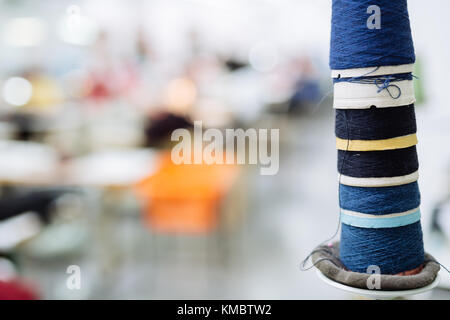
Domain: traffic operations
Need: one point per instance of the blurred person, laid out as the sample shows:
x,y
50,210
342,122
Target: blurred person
x,y
144,50
109,76
307,86
108,83
149,78
160,125
185,198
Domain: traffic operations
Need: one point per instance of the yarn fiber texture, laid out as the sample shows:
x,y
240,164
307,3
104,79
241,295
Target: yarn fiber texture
x,y
380,200
353,45
393,250
378,164
375,123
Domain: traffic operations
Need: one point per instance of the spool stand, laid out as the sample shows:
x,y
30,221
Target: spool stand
x,y
377,294
331,271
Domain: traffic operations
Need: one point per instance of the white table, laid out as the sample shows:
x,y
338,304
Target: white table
x,y
111,168
27,163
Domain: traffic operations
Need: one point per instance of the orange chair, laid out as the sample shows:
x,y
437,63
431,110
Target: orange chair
x,y
185,198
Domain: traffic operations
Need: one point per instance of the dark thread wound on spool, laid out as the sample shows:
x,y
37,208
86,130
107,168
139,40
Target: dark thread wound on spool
x,y
375,123
380,200
377,79
378,164
393,250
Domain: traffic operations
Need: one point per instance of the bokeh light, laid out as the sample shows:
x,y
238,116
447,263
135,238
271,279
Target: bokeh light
x,y
17,91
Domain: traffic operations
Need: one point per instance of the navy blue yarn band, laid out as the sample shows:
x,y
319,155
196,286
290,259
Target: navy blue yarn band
x,y
375,123
378,164
354,45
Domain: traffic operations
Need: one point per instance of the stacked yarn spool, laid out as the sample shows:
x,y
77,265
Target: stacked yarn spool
x,y
372,59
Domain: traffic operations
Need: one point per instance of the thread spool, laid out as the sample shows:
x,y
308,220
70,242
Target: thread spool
x,y
376,136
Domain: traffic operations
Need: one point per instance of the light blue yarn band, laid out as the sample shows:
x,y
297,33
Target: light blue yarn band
x,y
380,221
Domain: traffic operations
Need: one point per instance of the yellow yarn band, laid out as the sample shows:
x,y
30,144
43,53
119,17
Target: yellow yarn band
x,y
374,145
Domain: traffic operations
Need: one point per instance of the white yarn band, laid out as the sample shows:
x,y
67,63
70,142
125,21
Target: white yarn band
x,y
351,95
367,215
378,182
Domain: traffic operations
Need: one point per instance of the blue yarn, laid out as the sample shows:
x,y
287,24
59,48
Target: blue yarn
x,y
353,45
381,200
394,250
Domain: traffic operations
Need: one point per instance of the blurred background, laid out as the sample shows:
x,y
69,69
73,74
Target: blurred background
x,y
90,92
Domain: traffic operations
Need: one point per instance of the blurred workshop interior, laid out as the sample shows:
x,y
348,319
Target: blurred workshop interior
x,y
90,92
